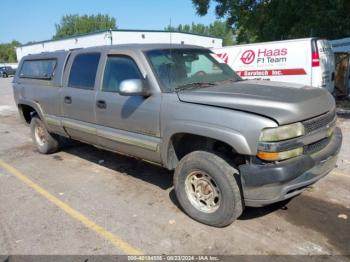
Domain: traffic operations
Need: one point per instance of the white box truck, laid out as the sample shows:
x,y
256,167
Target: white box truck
x,y
308,61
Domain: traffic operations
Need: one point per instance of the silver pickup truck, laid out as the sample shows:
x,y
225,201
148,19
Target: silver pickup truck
x,y
232,143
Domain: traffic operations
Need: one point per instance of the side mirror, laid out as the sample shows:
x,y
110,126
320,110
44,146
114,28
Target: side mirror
x,y
133,87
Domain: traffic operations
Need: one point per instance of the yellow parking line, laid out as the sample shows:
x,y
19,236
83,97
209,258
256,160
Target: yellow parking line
x,y
116,241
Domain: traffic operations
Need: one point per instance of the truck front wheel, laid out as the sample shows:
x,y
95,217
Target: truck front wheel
x,y
207,190
44,141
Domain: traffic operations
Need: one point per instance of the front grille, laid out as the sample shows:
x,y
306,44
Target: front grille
x,y
319,122
317,146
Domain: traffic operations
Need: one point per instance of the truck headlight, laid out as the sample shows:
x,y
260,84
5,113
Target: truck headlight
x,y
274,135
282,132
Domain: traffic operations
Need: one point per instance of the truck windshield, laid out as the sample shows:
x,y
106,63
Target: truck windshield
x,y
179,69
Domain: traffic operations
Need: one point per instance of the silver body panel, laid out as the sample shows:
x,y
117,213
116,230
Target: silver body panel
x,y
277,100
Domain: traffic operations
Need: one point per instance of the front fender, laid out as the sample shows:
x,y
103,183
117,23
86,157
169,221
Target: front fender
x,y
231,137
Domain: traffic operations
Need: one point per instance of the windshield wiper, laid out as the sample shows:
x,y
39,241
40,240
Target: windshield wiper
x,y
231,80
194,85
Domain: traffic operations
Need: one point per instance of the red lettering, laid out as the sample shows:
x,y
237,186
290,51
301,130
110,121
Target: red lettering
x,y
284,51
272,52
276,52
262,52
269,53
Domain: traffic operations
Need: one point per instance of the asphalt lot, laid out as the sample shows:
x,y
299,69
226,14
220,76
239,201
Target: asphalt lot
x,y
83,200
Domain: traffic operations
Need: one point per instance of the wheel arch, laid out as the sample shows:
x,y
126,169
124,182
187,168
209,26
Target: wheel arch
x,y
28,109
199,137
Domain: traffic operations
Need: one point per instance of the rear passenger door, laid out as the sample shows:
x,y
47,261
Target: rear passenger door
x,y
78,97
129,124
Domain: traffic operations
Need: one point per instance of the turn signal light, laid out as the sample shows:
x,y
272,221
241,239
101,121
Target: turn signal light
x,y
276,156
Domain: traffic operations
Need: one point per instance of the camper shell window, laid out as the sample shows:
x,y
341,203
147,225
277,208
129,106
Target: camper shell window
x,y
38,69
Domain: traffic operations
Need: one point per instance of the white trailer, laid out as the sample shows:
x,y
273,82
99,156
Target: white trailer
x,y
115,37
308,61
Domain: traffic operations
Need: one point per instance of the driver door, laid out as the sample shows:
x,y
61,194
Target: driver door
x,y
129,124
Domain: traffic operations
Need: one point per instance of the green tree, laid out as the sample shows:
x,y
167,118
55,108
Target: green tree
x,y
221,29
217,29
74,24
268,20
8,52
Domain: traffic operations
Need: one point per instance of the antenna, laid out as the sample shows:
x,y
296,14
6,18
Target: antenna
x,y
170,52
109,35
171,36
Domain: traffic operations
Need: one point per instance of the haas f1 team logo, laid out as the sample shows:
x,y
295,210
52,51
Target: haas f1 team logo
x,y
223,57
248,57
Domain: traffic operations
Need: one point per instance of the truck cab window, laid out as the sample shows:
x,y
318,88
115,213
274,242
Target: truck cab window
x,y
118,69
83,71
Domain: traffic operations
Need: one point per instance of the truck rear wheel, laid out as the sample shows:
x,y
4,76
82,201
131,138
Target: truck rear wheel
x,y
44,141
207,190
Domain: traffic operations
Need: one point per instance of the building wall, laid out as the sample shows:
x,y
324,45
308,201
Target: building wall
x,y
118,37
124,37
65,44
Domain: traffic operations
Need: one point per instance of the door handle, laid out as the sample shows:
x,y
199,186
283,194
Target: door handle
x,y
101,104
67,99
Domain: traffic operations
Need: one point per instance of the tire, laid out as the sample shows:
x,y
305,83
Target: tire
x,y
43,140
4,75
210,173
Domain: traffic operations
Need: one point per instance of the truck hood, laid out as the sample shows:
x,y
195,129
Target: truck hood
x,y
284,102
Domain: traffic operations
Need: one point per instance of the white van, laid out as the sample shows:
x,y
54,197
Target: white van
x,y
308,61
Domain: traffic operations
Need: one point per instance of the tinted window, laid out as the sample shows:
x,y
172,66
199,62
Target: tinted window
x,y
83,71
38,69
118,69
